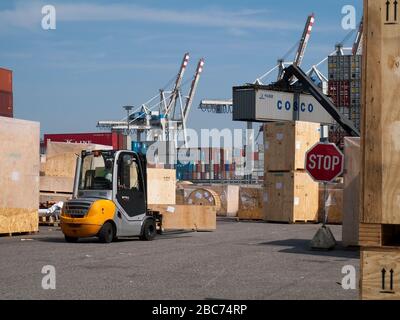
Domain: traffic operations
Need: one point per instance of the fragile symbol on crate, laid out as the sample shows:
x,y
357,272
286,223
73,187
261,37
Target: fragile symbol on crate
x,y
384,290
391,18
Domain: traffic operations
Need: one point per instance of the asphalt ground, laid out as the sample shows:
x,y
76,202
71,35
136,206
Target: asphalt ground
x,y
241,260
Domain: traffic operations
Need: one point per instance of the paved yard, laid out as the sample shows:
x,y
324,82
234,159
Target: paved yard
x,y
241,260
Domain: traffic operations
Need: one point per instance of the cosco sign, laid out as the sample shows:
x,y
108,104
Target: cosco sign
x,y
287,105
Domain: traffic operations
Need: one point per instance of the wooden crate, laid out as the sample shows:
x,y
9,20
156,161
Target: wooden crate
x,y
187,217
56,184
19,175
286,143
161,186
351,194
380,271
333,202
380,116
61,157
251,203
290,197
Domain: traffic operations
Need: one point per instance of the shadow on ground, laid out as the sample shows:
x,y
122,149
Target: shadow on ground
x,y
165,236
302,246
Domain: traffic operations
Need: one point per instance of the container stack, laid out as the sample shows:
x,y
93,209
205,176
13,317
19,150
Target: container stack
x,y
220,164
6,93
290,194
344,87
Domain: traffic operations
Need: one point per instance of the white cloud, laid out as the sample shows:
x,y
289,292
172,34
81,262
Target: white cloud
x,y
28,15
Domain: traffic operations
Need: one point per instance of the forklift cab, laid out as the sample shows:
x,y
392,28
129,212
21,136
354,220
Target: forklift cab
x,y
110,198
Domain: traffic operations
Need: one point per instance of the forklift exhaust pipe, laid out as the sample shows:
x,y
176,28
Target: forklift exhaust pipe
x,y
77,176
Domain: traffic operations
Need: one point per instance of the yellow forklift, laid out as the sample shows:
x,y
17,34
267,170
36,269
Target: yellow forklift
x,y
109,198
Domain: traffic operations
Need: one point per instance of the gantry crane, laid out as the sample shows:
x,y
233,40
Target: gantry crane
x,y
164,120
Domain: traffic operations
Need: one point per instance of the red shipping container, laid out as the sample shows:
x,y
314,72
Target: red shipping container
x,y
255,156
6,104
216,168
116,140
6,80
333,87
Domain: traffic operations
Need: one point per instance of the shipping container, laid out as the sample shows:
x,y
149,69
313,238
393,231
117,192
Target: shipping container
x,y
6,83
116,140
6,104
260,103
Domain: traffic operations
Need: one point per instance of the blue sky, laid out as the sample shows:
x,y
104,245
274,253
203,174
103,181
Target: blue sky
x,y
106,54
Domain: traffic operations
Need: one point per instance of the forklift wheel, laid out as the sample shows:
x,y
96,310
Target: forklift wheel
x,y
71,239
107,234
149,230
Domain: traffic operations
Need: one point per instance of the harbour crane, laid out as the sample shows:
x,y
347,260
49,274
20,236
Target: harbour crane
x,y
163,120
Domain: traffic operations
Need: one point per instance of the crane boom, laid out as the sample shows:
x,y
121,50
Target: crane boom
x,y
358,41
189,99
304,40
178,82
326,103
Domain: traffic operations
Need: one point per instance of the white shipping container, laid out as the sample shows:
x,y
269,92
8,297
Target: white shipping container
x,y
277,105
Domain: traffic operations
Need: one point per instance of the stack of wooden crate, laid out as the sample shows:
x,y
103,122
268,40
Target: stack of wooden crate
x,y
380,160
290,195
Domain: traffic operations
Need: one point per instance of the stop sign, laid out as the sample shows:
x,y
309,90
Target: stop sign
x,y
324,162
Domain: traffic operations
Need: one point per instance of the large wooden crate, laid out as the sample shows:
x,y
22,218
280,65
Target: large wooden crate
x,y
286,143
187,217
290,197
380,269
161,186
19,175
380,141
351,194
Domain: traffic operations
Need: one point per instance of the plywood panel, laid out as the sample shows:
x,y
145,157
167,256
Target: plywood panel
x,y
290,197
187,217
61,157
251,203
378,267
161,186
381,116
285,144
56,184
351,194
19,175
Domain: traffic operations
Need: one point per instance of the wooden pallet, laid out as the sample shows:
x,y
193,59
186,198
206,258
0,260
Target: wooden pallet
x,y
49,221
376,234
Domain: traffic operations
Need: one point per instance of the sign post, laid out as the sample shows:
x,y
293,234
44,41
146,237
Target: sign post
x,y
324,163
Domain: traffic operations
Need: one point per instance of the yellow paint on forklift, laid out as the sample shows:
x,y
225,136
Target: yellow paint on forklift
x,y
89,226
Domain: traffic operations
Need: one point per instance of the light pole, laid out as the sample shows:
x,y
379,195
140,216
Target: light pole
x,y
128,111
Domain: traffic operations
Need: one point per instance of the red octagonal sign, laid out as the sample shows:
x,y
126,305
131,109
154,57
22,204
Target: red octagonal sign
x,y
324,162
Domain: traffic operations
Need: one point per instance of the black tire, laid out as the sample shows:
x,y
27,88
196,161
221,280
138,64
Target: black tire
x,y
71,239
107,233
149,230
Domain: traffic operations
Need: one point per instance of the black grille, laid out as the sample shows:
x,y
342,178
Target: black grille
x,y
77,208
